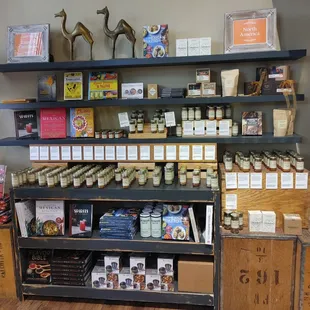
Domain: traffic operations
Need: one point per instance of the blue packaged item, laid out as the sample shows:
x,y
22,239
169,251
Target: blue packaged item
x,y
155,41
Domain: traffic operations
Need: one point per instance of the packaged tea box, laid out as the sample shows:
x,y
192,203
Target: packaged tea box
x,y
80,221
47,88
73,86
155,41
26,126
102,85
50,217
82,122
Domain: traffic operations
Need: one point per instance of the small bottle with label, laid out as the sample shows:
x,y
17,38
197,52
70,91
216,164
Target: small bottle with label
x,y
235,129
240,220
179,130
140,126
208,180
228,111
299,164
196,177
156,178
153,126
272,163
183,176
145,225
219,113
197,114
234,226
184,114
161,126
214,182
156,225
191,114
227,220
228,164
258,164
14,179
211,113
246,164
169,174
286,164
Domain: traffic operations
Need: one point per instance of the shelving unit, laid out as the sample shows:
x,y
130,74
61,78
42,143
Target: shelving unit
x,y
147,193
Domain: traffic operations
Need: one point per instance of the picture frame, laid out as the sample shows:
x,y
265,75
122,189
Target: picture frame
x,y
28,43
250,31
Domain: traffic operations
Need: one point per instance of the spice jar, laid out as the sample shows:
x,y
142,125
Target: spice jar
x,y
228,164
156,225
219,113
118,175
97,134
245,164
50,180
240,220
156,178
118,134
184,114
154,126
132,126
208,180
227,220
161,126
183,176
42,178
31,177
272,163
169,174
77,181
214,182
162,118
228,111
89,181
234,224
14,179
156,117
64,180
145,225
191,114
299,163
211,113
286,164
104,134
179,130
111,134
196,177
235,129
197,114
257,164
140,126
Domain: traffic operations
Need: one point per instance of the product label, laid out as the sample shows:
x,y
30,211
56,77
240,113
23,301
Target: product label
x,y
121,152
224,128
231,180
231,201
199,128
110,152
34,152
287,180
271,181
99,152
44,153
170,119
256,180
211,128
54,153
145,152
132,152
76,152
171,152
188,128
159,152
65,153
184,152
243,180
88,152
123,119
210,152
197,151
301,180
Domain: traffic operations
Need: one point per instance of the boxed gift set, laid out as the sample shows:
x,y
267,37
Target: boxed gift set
x,y
132,90
125,279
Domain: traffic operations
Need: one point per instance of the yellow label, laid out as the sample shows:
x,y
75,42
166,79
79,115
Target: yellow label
x,y
73,86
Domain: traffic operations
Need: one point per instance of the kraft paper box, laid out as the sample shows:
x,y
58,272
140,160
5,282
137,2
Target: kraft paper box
x,y
292,224
152,91
255,221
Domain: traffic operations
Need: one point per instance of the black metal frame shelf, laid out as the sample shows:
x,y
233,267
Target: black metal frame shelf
x,y
148,102
155,62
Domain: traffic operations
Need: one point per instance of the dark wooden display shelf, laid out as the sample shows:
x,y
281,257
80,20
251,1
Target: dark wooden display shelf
x,y
174,192
124,295
146,102
155,62
95,243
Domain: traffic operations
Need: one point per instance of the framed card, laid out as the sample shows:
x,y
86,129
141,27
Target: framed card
x,y
28,43
250,31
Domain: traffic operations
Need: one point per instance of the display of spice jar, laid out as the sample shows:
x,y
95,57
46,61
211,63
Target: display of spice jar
x,y
143,176
157,176
129,175
169,173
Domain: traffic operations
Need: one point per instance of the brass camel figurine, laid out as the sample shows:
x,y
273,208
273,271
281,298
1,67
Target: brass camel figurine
x,y
122,28
79,30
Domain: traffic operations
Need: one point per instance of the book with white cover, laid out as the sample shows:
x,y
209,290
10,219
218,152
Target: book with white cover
x,y
209,224
26,217
194,225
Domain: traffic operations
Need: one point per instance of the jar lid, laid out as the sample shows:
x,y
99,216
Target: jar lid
x,y
156,214
299,158
145,214
234,216
227,213
184,108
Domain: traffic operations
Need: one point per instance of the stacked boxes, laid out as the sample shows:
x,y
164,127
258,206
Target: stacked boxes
x,y
113,267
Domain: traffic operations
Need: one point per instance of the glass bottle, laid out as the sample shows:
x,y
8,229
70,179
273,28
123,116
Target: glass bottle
x,y
272,163
156,179
179,130
169,174
208,180
197,114
153,126
214,182
286,164
227,220
228,164
219,113
240,220
183,176
235,129
14,179
191,114
161,126
184,114
258,164
196,178
132,126
156,117
299,164
234,226
211,113
246,164
140,126
228,111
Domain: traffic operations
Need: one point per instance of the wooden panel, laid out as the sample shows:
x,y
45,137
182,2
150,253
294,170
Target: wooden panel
x,y
297,275
48,164
149,166
257,273
203,166
147,134
7,266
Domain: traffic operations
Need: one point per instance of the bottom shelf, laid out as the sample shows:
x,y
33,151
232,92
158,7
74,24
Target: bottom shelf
x,y
119,295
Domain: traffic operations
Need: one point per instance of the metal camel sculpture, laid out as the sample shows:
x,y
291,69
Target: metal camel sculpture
x,y
79,30
122,28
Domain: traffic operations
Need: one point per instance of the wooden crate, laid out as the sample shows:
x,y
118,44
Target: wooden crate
x,y
302,275
257,271
7,263
280,200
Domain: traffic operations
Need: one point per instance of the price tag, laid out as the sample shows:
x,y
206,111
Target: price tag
x,y
188,128
301,180
199,128
121,152
197,152
231,201
88,152
231,180
224,128
271,181
34,152
256,180
287,180
99,152
110,152
132,152
54,152
145,152
123,119
243,180
44,153
66,153
170,119
76,152
184,152
210,152
171,152
211,128
159,152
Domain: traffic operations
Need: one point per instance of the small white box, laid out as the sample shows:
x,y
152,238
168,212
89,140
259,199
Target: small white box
x,y
113,264
211,128
125,279
193,47
137,264
99,277
181,47
165,266
132,90
255,221
205,46
152,280
269,221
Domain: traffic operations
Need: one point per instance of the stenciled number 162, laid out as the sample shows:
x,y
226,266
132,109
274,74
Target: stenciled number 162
x,y
261,278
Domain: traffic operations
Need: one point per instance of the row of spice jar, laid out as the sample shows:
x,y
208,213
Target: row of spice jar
x,y
212,113
233,221
110,134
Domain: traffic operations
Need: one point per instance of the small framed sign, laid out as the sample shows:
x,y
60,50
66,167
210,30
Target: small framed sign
x,y
28,43
250,31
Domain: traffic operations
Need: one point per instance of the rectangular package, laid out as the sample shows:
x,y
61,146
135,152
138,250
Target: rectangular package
x,y
155,41
132,90
26,213
205,46
102,85
292,224
203,75
53,123
73,86
252,123
193,45
137,264
80,220
269,221
47,88
279,73
82,122
26,126
152,91
181,47
152,280
165,265
255,221
125,279
208,89
194,89
113,263
99,277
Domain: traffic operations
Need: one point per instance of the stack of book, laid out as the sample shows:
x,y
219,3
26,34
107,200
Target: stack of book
x,y
167,92
71,267
119,224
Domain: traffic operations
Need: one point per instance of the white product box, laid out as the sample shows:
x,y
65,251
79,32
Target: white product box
x,y
99,277
193,47
255,221
211,127
125,279
165,265
113,264
205,46
132,90
137,264
269,221
209,224
181,47
152,280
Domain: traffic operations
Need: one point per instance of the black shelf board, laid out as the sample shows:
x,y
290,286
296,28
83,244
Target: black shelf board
x,y
96,243
113,191
265,138
119,295
155,62
146,102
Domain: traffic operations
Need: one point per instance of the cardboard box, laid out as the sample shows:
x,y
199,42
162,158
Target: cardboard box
x,y
194,89
205,46
152,280
152,91
269,221
165,265
195,274
132,90
137,264
255,220
193,46
292,224
99,277
203,75
113,264
208,89
125,279
181,47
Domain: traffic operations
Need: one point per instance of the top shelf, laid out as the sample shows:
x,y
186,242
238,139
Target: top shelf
x,y
155,62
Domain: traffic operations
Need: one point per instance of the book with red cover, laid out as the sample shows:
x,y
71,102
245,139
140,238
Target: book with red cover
x,y
53,123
